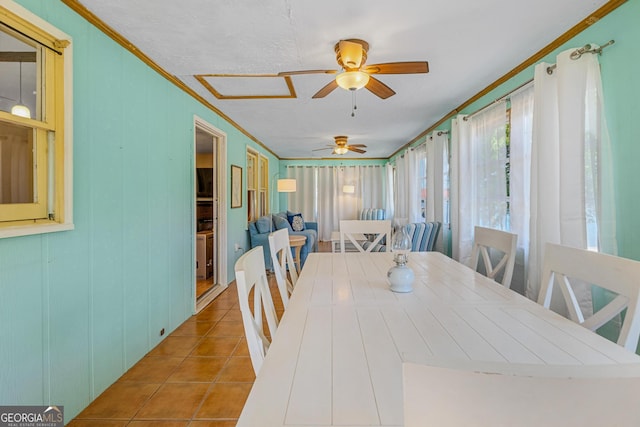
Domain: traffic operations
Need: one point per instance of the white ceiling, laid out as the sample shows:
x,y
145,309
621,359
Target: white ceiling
x,y
468,44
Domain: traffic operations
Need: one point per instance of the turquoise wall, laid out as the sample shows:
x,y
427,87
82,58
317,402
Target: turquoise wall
x,y
78,308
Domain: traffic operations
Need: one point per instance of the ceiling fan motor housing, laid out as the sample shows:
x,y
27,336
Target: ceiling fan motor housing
x,y
351,54
340,140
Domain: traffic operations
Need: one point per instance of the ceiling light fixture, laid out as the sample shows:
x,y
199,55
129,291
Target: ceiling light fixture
x,y
20,109
352,80
340,150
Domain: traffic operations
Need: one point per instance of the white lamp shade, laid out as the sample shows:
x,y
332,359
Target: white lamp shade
x,y
349,189
340,150
21,110
286,185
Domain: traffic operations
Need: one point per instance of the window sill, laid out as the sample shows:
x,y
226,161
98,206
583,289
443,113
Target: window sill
x,y
38,228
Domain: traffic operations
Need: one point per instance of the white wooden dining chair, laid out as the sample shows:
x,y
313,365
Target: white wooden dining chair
x,y
506,394
485,239
251,275
282,261
381,229
619,275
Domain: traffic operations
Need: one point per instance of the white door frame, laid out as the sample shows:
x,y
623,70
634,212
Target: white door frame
x,y
221,225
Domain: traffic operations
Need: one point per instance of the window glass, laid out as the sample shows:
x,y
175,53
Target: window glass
x,y
422,174
16,164
18,75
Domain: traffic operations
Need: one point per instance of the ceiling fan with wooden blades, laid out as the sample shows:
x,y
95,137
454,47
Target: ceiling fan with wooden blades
x,y
351,55
341,146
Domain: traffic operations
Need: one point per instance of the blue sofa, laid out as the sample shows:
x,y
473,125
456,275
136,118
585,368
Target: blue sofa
x,y
259,235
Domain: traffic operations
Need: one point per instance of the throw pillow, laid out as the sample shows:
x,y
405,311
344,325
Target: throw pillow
x,y
296,221
263,224
281,223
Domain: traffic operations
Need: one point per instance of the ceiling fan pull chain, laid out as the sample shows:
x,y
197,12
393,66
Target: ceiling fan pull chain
x,y
354,107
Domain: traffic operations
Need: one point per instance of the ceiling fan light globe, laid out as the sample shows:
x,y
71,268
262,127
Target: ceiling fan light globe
x,y
352,80
341,150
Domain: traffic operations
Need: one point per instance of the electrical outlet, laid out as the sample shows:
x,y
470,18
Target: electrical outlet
x,y
237,247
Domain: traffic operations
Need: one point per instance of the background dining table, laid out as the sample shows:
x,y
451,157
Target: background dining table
x,y
336,358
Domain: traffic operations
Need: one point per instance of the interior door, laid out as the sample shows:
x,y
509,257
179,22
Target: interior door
x,y
207,187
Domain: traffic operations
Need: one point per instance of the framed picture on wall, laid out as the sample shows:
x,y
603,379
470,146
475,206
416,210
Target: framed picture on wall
x,y
236,186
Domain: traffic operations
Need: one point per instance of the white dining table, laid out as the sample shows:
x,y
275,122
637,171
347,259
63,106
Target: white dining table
x,y
336,358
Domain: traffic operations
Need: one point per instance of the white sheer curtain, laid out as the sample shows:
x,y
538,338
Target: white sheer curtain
x,y
326,203
304,199
389,192
520,180
373,187
320,197
569,137
481,176
461,225
437,201
408,196
333,203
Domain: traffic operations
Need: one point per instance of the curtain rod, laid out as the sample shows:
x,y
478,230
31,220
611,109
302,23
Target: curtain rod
x,y
501,99
576,54
438,133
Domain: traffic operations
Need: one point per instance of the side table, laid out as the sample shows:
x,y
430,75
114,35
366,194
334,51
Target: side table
x,y
297,242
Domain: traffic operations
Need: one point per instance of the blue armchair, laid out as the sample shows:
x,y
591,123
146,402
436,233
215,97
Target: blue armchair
x,y
422,234
259,235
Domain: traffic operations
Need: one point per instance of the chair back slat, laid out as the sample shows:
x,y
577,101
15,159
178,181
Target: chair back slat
x,y
563,264
282,261
251,275
349,228
486,238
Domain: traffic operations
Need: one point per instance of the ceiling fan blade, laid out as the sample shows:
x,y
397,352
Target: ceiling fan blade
x,y
398,68
378,88
294,73
326,90
355,150
320,149
357,145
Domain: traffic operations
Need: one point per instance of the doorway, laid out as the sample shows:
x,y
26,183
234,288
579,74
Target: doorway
x,y
210,234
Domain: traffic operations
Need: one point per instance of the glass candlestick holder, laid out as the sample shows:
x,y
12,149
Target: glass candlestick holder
x,y
400,276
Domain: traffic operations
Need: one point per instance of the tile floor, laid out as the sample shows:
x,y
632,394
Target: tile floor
x,y
199,376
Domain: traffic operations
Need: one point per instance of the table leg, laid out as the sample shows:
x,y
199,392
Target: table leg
x,y
297,260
